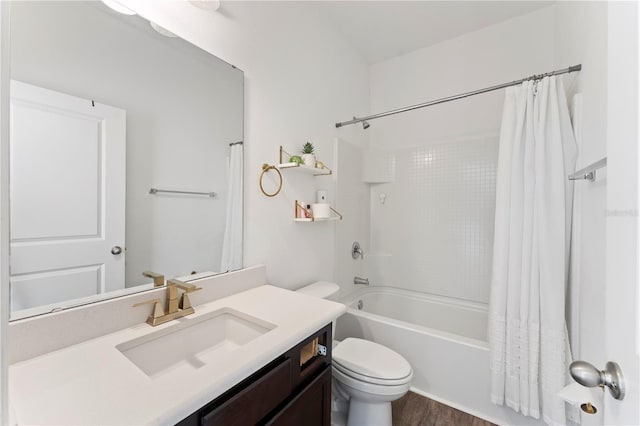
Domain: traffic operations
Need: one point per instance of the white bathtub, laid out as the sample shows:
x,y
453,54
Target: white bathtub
x,y
444,339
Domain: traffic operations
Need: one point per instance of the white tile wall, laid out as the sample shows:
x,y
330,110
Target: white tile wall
x,y
378,166
437,220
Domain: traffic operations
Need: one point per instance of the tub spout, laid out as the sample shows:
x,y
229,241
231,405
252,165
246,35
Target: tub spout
x,y
363,281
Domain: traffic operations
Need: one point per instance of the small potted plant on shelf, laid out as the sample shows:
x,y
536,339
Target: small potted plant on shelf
x,y
307,155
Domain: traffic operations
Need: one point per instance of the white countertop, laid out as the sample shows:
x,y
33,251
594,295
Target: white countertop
x,y
94,383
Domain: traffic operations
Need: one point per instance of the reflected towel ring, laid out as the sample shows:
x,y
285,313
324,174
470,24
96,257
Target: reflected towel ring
x,y
266,168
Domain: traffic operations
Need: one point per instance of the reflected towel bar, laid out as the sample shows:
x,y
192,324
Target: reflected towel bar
x,y
589,172
154,191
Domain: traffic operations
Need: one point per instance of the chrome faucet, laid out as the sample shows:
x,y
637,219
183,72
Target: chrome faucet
x,y
356,251
176,307
363,281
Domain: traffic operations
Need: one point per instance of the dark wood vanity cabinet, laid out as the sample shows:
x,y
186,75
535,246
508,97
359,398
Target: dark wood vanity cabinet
x,y
293,389
310,407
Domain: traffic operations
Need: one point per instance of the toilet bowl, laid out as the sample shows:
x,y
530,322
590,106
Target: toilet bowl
x,y
369,375
372,376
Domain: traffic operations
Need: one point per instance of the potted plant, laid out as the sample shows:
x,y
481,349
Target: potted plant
x,y
307,155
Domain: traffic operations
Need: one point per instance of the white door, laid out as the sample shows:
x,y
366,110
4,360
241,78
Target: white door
x,y
622,337
67,197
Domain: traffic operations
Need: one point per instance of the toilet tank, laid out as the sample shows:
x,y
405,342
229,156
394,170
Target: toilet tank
x,y
320,289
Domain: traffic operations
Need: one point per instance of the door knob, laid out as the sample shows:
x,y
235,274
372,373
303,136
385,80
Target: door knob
x,y
588,375
116,250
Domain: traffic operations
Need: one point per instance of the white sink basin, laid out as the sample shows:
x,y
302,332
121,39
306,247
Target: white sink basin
x,y
193,342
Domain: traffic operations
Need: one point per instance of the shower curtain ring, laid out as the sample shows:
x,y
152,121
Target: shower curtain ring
x,y
266,168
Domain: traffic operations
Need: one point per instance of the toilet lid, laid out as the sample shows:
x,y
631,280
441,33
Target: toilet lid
x,y
370,360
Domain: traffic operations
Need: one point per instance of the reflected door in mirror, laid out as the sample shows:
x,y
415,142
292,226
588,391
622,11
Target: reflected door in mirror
x,y
183,110
67,196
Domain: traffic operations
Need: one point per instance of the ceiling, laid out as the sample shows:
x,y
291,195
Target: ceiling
x,y
380,30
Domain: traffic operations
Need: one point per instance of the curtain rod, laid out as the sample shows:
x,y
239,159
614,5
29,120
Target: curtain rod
x,y
455,97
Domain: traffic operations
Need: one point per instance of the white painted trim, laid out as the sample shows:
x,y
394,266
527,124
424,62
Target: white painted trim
x,y
4,208
638,195
622,221
638,192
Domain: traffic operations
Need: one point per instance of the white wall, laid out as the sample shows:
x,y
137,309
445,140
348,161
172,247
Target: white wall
x,y
5,297
300,79
183,109
581,37
507,51
435,231
621,338
352,200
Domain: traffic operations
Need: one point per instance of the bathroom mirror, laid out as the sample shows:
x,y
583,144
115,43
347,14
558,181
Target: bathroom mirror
x,y
126,156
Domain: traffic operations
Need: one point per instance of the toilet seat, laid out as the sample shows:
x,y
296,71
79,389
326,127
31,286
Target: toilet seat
x,y
370,362
375,392
371,380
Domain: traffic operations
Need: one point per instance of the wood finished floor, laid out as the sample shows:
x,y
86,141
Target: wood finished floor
x,y
416,410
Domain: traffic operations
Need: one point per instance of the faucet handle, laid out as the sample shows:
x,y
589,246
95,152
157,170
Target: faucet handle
x,y
157,310
158,279
185,302
356,251
188,288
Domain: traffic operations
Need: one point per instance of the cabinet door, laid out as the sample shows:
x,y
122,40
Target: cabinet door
x,y
252,404
311,407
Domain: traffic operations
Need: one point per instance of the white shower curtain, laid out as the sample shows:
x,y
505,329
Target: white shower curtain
x,y
527,329
232,243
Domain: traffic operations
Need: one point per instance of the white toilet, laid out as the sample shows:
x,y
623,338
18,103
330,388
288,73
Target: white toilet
x,y
367,374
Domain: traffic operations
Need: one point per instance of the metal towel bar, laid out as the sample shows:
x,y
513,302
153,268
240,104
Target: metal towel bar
x,y
154,191
589,172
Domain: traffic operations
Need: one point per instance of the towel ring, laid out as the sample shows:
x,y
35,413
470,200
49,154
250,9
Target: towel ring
x,y
266,168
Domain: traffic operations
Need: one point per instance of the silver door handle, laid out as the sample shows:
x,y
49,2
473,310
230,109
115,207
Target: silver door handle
x,y
588,375
116,250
